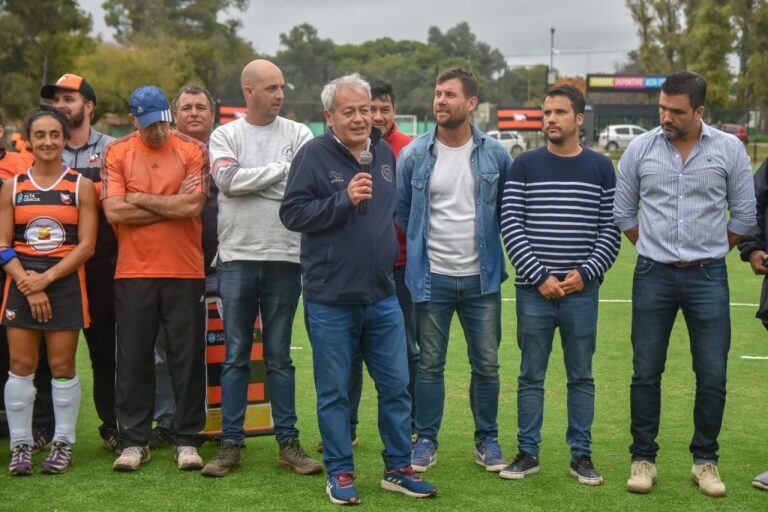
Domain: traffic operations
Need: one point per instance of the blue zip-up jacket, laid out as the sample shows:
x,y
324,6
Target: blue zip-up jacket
x,y
346,257
490,163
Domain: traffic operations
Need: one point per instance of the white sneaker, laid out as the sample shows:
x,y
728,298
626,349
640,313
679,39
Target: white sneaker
x,y
131,458
187,458
642,478
708,479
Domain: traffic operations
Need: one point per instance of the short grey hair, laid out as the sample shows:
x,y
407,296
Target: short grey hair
x,y
194,90
353,81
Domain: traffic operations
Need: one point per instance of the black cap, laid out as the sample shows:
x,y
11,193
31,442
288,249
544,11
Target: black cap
x,y
69,82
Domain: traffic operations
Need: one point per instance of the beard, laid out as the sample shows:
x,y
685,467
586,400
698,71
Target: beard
x,y
674,132
76,119
451,122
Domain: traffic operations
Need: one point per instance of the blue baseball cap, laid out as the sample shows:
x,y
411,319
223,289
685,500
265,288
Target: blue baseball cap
x,y
149,105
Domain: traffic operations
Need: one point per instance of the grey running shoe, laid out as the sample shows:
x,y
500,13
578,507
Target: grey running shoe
x,y
21,461
58,460
292,456
187,458
131,458
488,454
225,461
524,464
761,481
583,469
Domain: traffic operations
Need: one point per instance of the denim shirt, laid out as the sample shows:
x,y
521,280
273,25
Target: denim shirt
x,y
489,162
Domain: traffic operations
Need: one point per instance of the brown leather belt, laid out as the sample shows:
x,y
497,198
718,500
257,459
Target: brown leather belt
x,y
696,263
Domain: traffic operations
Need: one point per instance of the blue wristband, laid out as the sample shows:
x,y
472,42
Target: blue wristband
x,y
7,255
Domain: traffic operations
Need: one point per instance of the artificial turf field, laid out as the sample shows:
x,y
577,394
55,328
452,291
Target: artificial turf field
x,y
462,485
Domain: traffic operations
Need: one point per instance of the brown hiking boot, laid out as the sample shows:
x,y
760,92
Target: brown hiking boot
x,y
708,479
293,457
225,461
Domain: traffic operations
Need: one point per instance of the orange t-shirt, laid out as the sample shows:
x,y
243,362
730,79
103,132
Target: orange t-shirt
x,y
11,164
169,248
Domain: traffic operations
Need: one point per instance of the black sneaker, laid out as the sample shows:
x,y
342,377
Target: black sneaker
x,y
524,464
42,441
583,469
111,440
160,437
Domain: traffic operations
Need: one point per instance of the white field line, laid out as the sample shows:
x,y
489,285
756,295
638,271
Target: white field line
x,y
628,301
755,358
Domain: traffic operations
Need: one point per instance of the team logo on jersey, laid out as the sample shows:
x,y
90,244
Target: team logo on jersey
x,y
335,177
93,157
386,172
44,234
288,152
65,197
10,314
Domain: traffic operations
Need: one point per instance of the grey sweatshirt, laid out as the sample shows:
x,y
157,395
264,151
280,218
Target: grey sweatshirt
x,y
249,165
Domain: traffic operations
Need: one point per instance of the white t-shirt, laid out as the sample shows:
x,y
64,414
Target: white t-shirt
x,y
452,244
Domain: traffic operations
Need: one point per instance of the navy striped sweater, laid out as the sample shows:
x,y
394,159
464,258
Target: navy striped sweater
x,y
557,215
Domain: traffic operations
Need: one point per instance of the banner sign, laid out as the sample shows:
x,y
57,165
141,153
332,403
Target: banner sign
x,y
624,83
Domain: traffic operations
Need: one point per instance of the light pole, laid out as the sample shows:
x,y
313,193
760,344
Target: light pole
x,y
551,74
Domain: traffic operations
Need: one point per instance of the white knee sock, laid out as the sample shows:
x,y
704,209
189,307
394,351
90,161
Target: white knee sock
x,y
66,405
19,402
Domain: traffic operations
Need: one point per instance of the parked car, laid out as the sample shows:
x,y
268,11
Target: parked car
x,y
739,130
617,136
511,140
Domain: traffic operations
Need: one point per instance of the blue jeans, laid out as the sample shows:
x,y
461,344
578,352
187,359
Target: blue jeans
x,y
537,318
480,317
247,289
701,292
412,343
337,334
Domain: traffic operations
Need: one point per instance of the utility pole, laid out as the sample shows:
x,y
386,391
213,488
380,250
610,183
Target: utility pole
x,y
551,74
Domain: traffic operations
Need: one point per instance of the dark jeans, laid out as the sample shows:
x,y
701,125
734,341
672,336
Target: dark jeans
x,y
247,289
337,334
658,292
575,315
412,344
143,307
480,316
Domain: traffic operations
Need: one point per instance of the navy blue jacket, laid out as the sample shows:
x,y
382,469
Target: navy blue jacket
x,y
346,257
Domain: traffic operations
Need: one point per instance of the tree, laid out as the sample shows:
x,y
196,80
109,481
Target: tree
x,y
707,44
215,52
39,41
459,41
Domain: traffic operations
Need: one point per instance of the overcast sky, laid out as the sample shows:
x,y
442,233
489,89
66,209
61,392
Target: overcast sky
x,y
591,36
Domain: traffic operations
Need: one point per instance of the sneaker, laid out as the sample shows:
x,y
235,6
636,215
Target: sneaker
x,y
524,464
131,458
58,460
320,446
292,456
111,441
488,454
583,469
423,455
21,461
642,478
225,461
404,480
708,479
187,458
42,442
341,489
761,481
161,437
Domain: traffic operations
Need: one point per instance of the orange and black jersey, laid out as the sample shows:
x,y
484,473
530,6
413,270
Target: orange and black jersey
x,y
46,219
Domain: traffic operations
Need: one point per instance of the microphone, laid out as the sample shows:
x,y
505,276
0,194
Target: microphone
x,y
365,166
